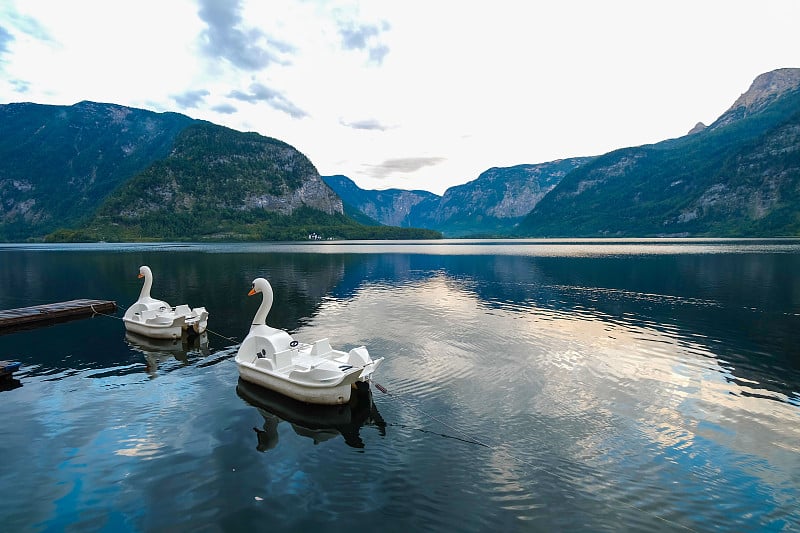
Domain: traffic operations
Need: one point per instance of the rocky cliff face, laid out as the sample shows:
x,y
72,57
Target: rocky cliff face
x,y
760,183
504,193
697,128
391,207
764,90
212,167
217,181
738,177
492,203
59,164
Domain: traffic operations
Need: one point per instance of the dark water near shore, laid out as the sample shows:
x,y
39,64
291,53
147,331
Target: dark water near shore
x,y
532,386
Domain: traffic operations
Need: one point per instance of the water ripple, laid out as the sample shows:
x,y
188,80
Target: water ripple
x,y
524,393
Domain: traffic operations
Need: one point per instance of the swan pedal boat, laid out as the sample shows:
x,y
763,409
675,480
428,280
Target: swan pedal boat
x,y
159,320
312,373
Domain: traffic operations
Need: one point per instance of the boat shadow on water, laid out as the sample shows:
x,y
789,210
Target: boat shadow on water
x,y
7,380
317,422
8,383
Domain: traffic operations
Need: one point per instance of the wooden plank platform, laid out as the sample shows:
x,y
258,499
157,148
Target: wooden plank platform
x,y
26,317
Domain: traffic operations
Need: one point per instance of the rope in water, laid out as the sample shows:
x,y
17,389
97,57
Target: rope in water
x,y
465,435
124,308
95,311
234,341
499,449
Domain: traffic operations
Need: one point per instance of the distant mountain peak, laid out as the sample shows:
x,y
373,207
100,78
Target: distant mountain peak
x,y
768,86
697,128
764,90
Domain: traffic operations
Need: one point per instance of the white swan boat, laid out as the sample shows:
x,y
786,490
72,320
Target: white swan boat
x,y
312,373
159,320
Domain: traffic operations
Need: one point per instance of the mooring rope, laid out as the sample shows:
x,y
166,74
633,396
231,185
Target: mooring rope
x,y
500,449
429,431
465,435
95,311
234,341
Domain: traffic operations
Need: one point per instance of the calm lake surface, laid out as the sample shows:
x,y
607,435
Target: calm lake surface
x,y
583,385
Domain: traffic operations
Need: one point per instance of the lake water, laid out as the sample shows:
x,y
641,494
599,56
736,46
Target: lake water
x,y
580,385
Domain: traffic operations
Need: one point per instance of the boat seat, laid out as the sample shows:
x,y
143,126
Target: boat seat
x,y
160,320
264,362
321,348
269,342
183,309
358,356
314,375
147,314
284,358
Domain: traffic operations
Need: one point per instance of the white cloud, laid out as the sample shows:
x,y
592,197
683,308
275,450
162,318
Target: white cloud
x,y
191,99
228,37
354,85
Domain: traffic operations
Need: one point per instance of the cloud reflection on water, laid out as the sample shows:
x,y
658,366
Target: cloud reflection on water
x,y
594,377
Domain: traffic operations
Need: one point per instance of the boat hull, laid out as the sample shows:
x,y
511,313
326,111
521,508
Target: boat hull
x,y
154,331
166,324
322,394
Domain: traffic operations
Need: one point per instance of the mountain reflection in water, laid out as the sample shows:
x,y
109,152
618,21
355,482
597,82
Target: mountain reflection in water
x,y
624,385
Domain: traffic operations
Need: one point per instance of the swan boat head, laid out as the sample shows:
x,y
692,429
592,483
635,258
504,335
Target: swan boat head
x,y
265,337
145,301
260,285
144,295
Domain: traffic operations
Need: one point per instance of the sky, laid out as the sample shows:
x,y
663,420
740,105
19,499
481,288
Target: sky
x,y
406,94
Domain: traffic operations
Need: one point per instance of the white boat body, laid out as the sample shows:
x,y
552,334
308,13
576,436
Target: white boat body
x,y
159,320
313,373
166,322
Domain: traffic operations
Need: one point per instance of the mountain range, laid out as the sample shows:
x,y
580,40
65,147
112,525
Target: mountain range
x,y
740,176
95,171
491,205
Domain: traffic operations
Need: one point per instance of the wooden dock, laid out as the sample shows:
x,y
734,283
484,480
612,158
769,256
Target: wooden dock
x,y
28,317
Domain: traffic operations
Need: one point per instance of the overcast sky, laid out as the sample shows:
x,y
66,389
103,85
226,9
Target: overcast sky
x,y
405,93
